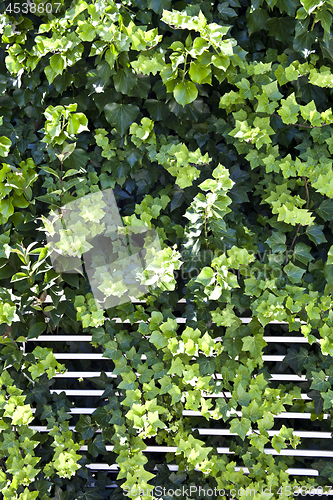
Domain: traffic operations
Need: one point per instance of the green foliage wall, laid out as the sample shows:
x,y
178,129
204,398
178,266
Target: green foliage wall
x,y
211,121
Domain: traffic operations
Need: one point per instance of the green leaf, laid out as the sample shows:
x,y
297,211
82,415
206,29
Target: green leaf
x,y
84,427
5,144
36,330
289,109
158,110
198,74
158,339
243,397
57,63
240,426
159,5
311,5
51,171
302,253
315,233
254,344
71,279
19,277
77,160
124,81
256,20
207,366
325,17
185,92
206,276
121,116
293,272
278,443
281,28
77,123
319,383
325,210
266,422
259,441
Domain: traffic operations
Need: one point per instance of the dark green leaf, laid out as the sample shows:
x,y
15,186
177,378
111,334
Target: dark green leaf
x,y
121,116
36,330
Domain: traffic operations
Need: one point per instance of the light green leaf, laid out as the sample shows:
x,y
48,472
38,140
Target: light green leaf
x,y
240,426
254,344
77,123
206,276
185,92
293,272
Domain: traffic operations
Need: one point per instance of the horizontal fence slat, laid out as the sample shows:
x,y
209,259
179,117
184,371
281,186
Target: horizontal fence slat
x,y
85,355
222,432
226,451
174,468
88,338
71,374
98,393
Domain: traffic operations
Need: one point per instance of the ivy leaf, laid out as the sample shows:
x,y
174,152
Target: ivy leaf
x,y
281,28
325,210
121,116
319,383
159,5
76,160
198,73
315,233
158,110
302,253
205,276
185,92
289,109
254,344
278,443
259,441
311,5
240,426
36,330
318,401
277,242
84,427
77,123
124,81
293,272
257,20
207,366
243,397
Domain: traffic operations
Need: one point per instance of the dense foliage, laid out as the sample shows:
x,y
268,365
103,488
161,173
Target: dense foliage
x,y
211,123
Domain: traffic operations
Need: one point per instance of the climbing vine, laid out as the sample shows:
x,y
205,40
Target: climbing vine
x,y
211,124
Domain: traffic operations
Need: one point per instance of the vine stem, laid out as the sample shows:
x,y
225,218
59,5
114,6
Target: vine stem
x,y
292,243
206,236
307,192
301,125
4,469
9,334
298,228
40,302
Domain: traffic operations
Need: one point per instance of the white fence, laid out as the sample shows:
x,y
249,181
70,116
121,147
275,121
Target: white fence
x,y
323,434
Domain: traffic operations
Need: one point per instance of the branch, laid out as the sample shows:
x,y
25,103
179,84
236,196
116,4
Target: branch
x,y
307,192
301,125
292,244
